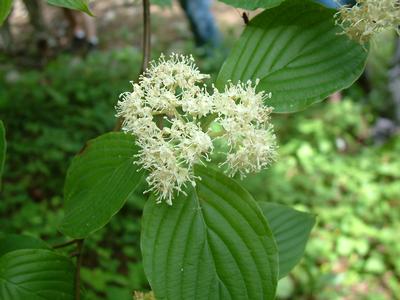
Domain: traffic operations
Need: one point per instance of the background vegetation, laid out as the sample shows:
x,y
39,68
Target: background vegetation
x,y
328,165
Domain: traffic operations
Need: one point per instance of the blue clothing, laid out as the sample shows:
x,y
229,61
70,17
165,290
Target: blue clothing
x,y
203,25
202,22
336,3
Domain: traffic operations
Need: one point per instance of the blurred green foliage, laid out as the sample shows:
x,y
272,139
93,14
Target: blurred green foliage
x,y
327,165
49,114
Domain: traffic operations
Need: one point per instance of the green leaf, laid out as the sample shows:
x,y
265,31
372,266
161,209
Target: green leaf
x,y
82,5
296,52
98,182
291,229
11,242
5,8
253,4
213,243
3,148
36,274
162,2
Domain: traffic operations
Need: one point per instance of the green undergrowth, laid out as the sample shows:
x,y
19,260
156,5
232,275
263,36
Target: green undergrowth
x,y
327,165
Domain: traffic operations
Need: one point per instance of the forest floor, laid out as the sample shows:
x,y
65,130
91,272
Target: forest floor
x,y
119,24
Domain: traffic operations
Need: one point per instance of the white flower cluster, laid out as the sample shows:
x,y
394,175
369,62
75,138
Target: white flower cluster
x,y
245,120
166,112
368,17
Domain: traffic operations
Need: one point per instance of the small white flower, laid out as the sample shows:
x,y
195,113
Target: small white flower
x,y
368,17
165,179
256,151
178,71
197,102
245,120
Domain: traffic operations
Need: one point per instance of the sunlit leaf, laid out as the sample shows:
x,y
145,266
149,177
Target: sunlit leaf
x,y
161,2
82,5
213,243
5,8
253,4
296,52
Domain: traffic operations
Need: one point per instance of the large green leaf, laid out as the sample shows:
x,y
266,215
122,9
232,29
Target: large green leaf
x,y
3,147
36,274
296,52
98,182
253,4
82,5
5,8
291,229
11,242
213,243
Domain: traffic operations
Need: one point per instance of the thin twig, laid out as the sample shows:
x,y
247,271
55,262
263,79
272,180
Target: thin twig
x,y
79,248
146,35
65,244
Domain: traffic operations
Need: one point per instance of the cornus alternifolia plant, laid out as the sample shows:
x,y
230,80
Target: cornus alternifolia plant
x,y
169,113
187,141
368,17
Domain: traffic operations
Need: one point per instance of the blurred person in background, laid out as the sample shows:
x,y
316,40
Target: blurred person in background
x,y
36,19
84,31
84,34
198,13
202,23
